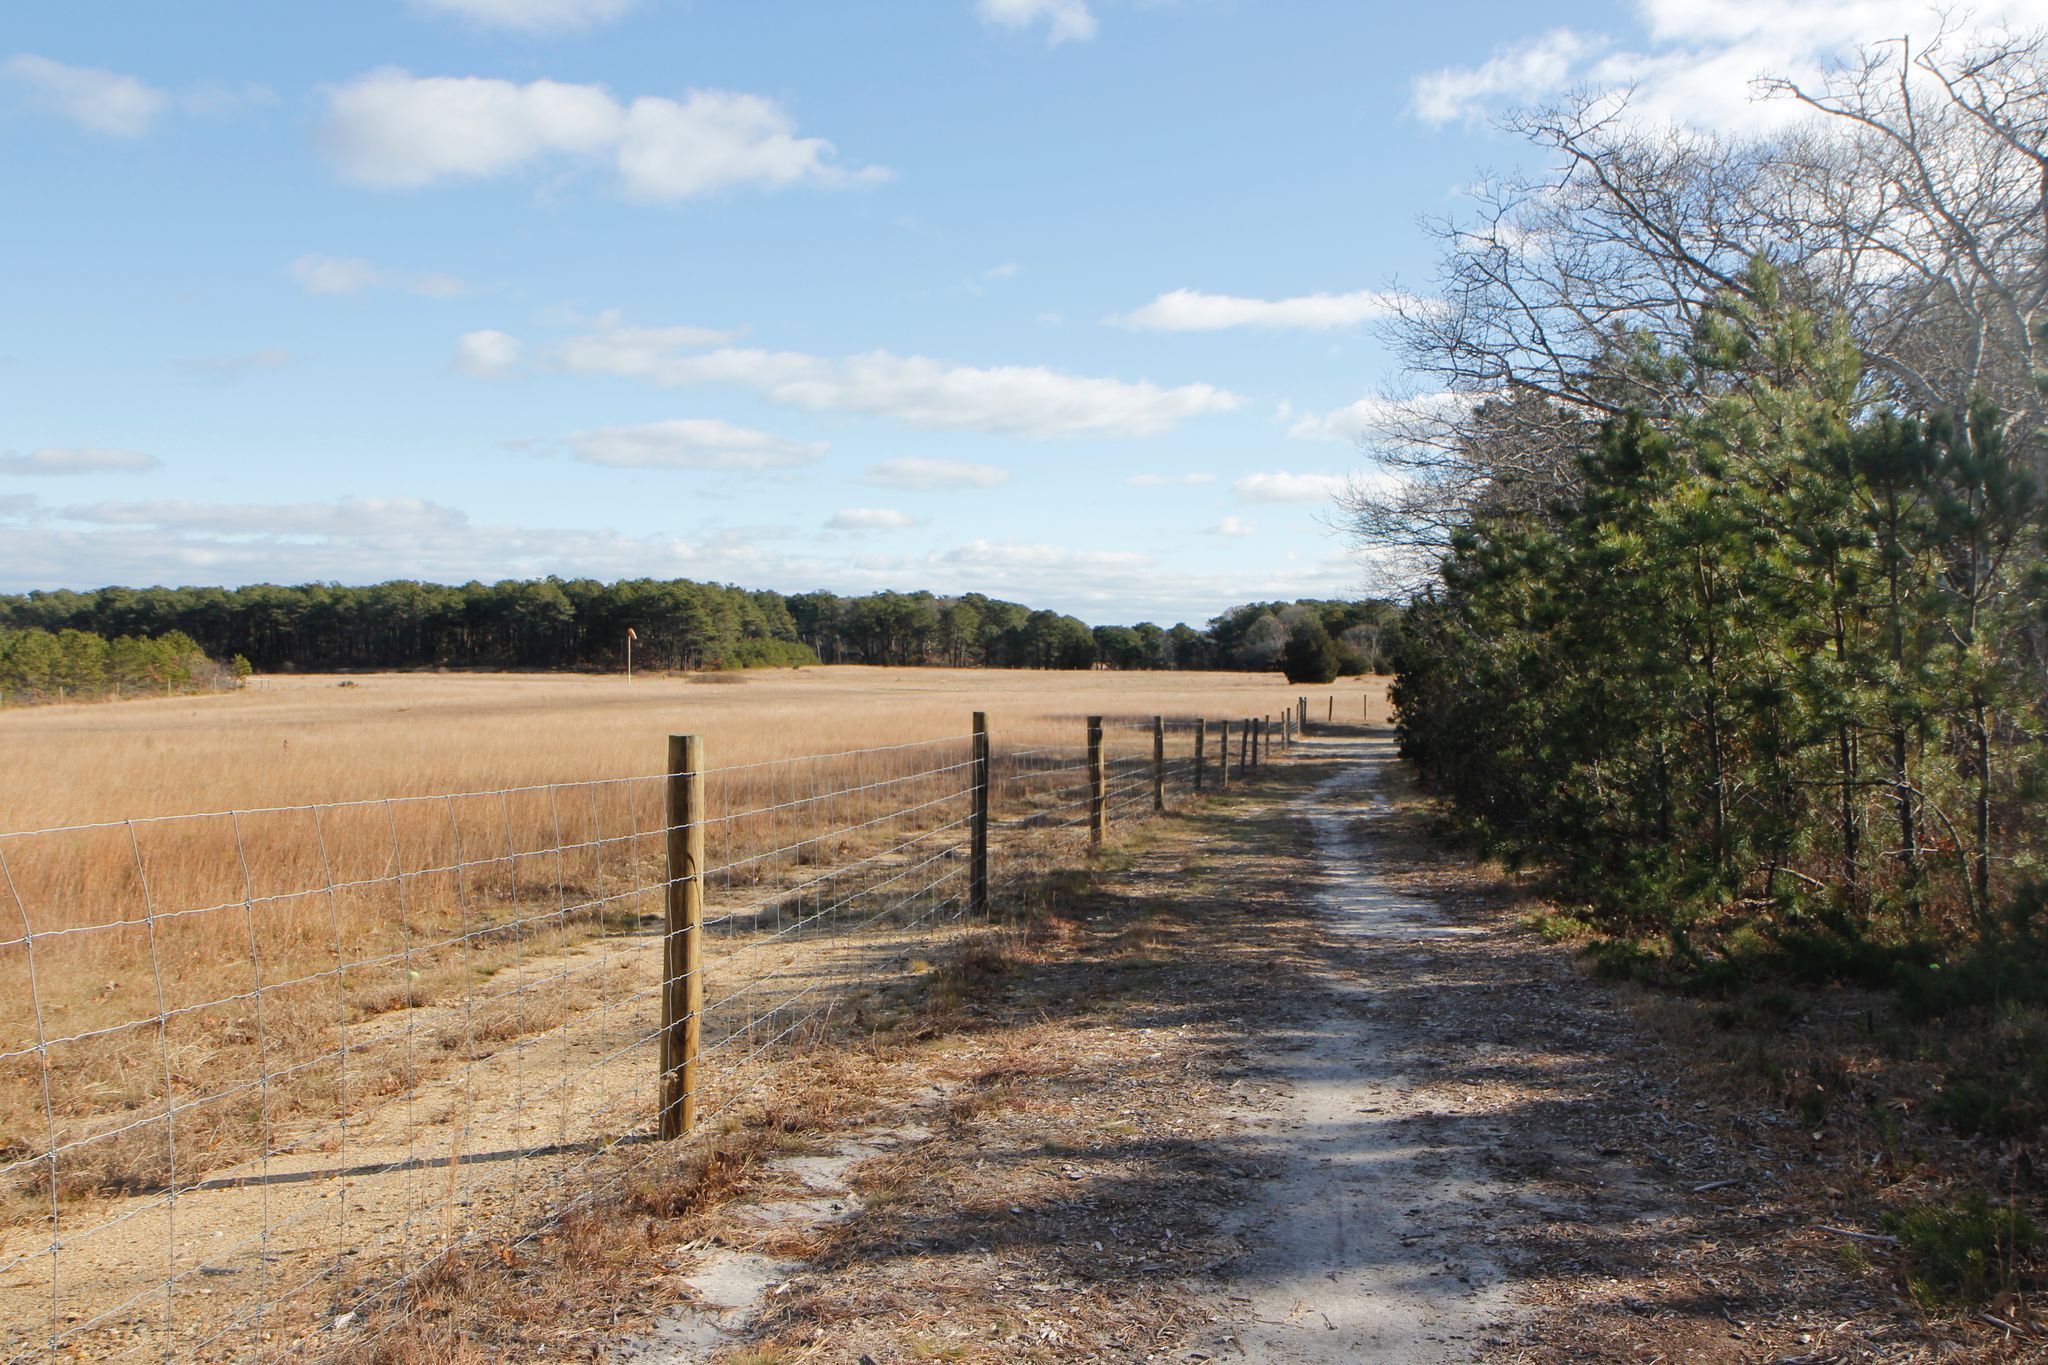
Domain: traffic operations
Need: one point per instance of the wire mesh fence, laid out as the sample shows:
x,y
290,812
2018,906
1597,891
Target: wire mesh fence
x,y
259,1067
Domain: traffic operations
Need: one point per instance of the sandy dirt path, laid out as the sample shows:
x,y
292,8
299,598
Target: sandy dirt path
x,y
1280,1078
1361,1238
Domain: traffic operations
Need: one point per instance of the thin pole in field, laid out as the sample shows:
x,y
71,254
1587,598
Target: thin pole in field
x,y
682,985
1098,805
979,854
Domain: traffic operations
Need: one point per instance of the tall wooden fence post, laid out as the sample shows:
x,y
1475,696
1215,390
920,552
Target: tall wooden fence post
x,y
1098,799
978,855
1331,718
1244,747
1158,764
1201,743
1223,755
682,985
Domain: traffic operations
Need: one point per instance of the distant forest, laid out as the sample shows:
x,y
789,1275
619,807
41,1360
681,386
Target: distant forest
x,y
580,623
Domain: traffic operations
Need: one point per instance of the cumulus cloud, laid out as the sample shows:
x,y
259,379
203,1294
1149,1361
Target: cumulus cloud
x,y
1285,487
639,352
1065,20
692,443
1376,418
869,519
1516,71
1190,310
347,516
1167,480
931,474
353,275
486,353
1699,61
1021,400
97,100
56,460
531,16
393,130
301,542
1234,526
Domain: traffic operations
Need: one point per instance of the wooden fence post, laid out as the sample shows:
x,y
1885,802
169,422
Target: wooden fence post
x,y
1201,742
1223,755
1244,747
682,985
1158,764
978,856
1098,801
1255,730
1331,718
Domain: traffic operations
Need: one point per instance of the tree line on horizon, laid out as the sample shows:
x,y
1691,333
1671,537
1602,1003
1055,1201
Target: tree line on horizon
x,y
553,623
39,665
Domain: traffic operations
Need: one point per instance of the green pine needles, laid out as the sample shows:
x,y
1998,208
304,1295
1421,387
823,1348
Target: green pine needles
x,y
1773,679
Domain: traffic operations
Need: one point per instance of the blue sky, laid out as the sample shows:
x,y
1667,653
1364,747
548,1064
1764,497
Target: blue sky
x,y
1062,300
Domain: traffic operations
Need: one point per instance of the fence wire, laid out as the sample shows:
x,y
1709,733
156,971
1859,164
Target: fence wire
x,y
259,1067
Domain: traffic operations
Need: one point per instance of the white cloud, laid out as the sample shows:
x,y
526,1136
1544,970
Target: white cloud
x,y
99,101
869,519
315,542
1366,417
1064,20
1285,487
1234,526
1167,480
486,354
1190,310
78,460
1700,60
638,352
1021,400
1520,71
532,16
692,443
1006,271
235,366
1376,418
927,474
353,275
394,130
347,516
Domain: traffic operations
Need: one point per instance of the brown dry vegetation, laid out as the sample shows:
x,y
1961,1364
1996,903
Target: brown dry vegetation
x,y
1652,1193
311,966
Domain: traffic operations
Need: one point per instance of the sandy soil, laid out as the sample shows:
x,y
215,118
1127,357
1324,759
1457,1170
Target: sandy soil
x,y
1295,1084
1361,1240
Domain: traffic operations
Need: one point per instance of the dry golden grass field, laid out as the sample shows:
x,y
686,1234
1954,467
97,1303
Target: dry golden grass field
x,y
376,926
293,740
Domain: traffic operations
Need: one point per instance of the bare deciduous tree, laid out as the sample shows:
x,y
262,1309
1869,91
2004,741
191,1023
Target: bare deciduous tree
x,y
1912,204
